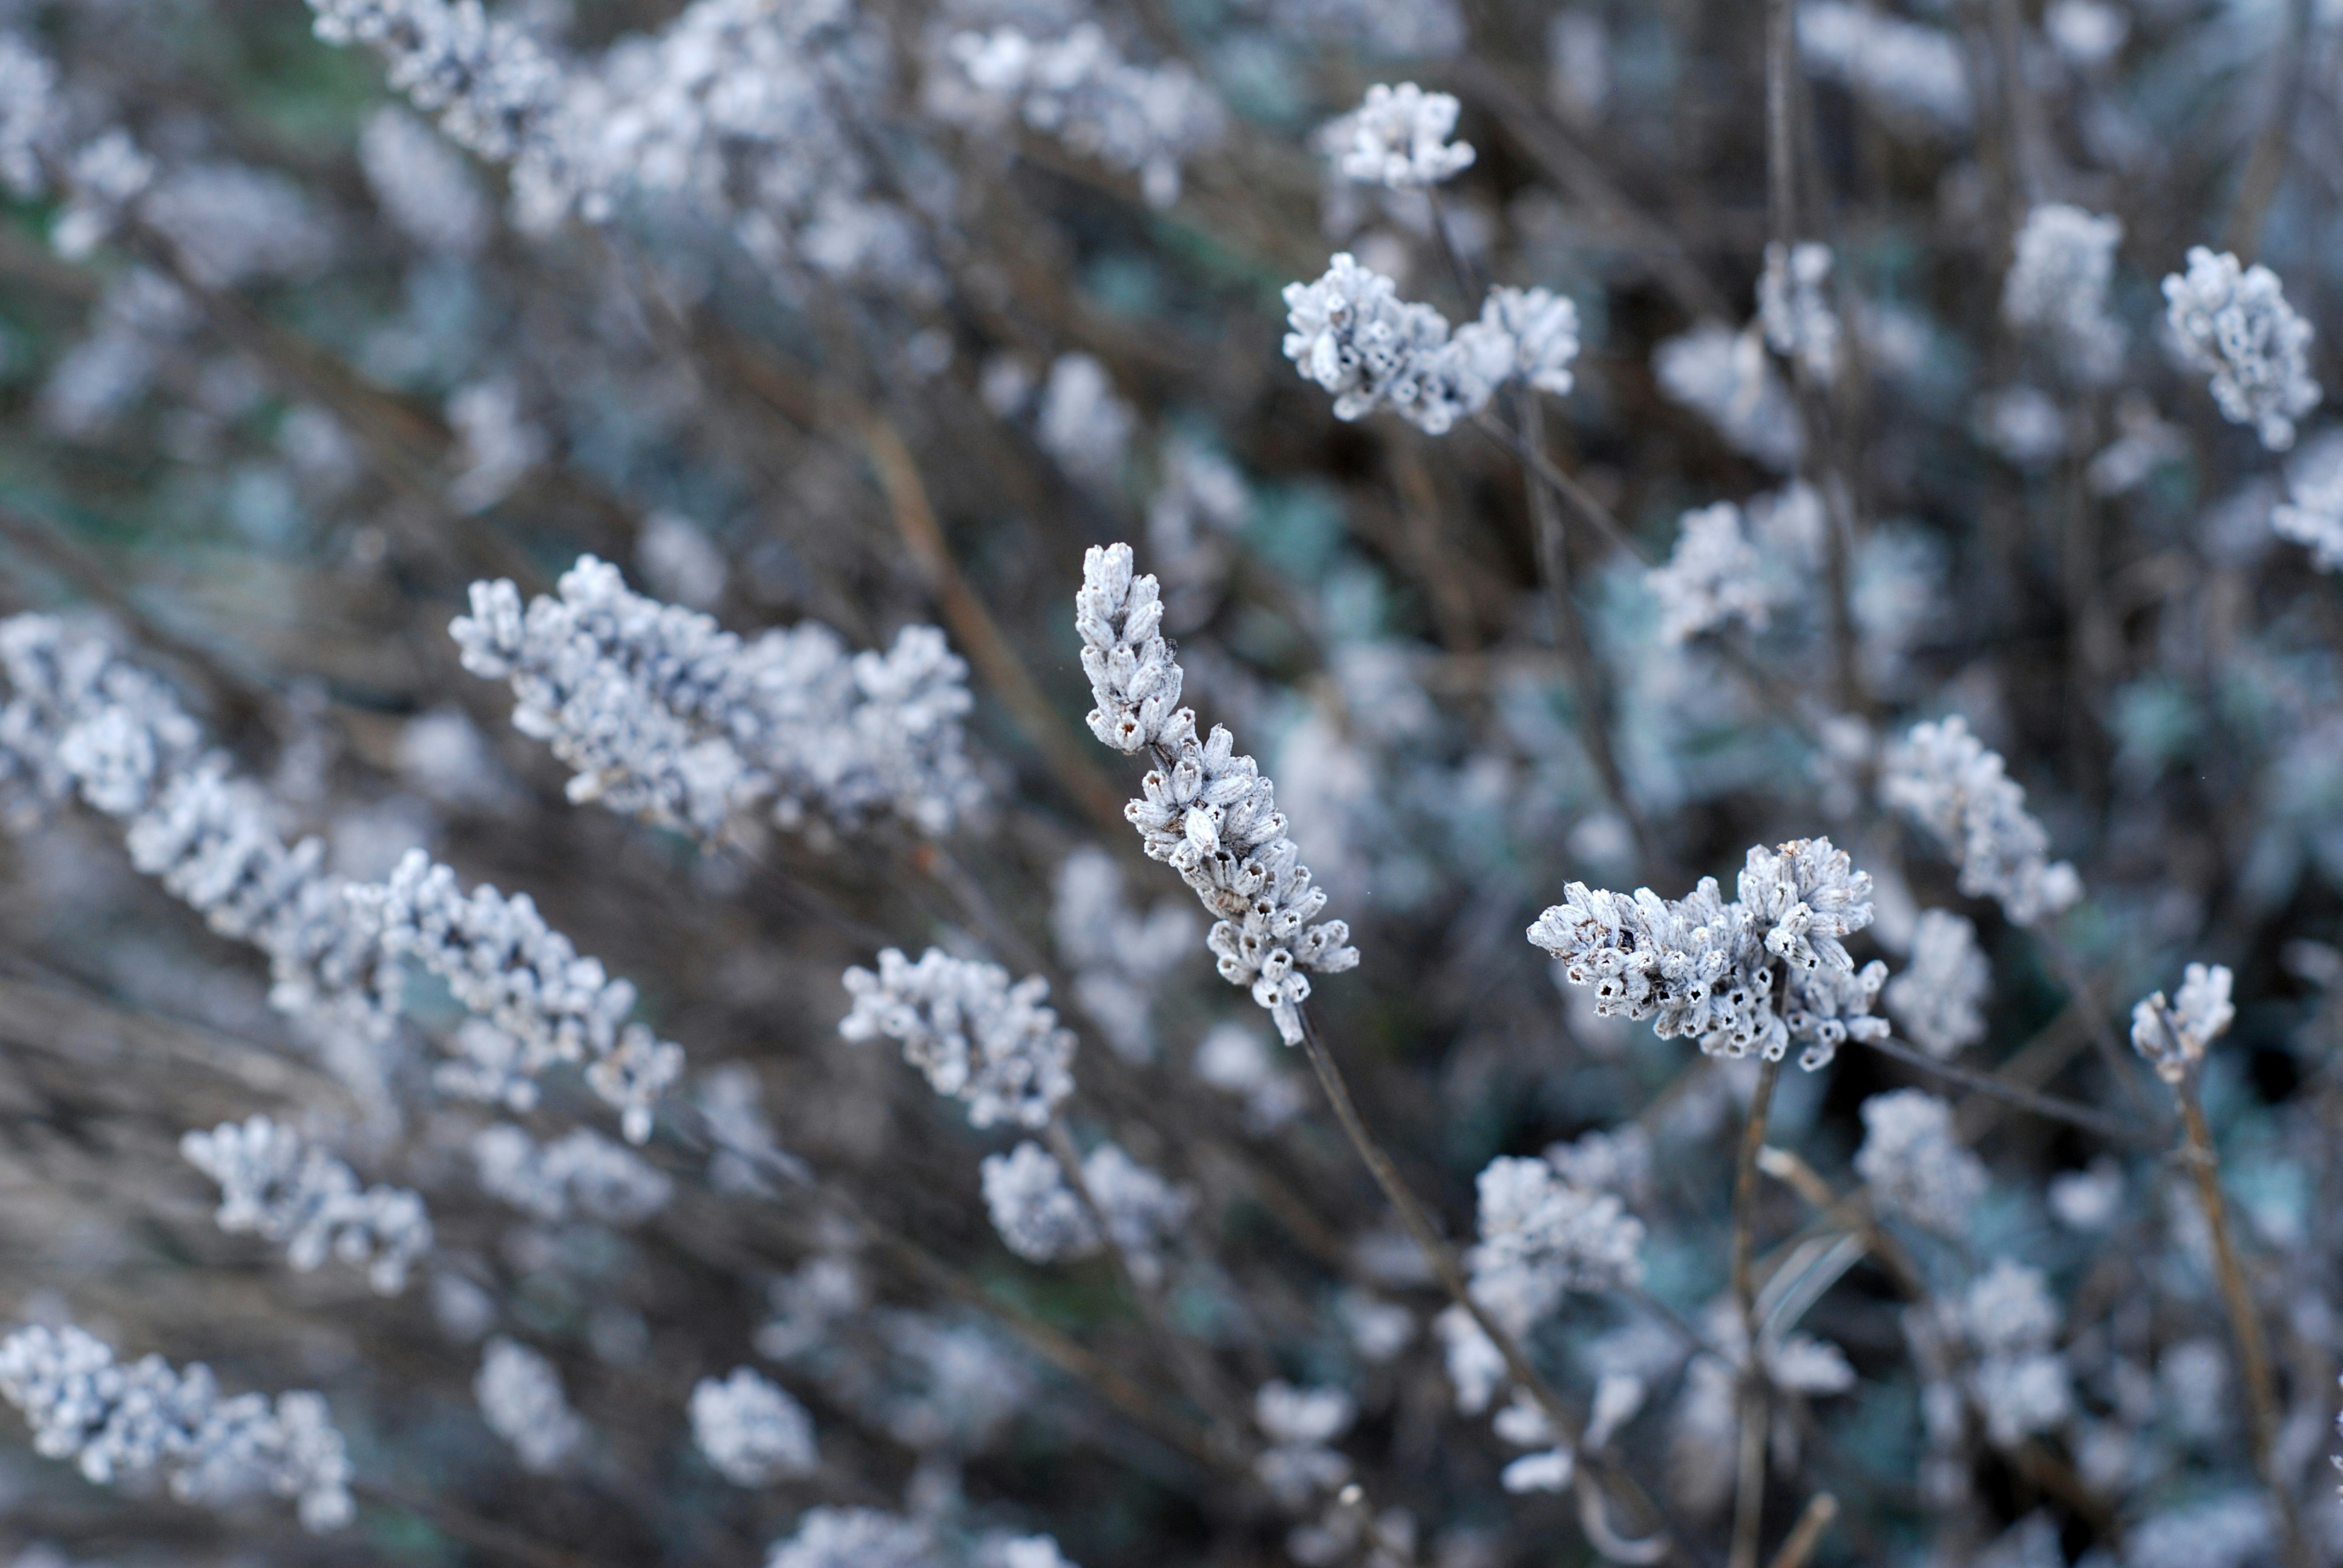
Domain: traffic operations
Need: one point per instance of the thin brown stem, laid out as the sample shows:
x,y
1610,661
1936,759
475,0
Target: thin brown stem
x,y
2266,165
1749,1490
2024,1099
2245,1316
1575,496
1808,1533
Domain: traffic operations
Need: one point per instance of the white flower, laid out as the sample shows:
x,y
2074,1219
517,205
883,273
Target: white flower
x,y
751,1431
121,1421
1542,1236
1204,810
1713,576
2313,517
1795,311
2057,285
1702,969
1543,328
1398,138
1912,1164
1725,376
1911,75
1937,997
1300,1424
976,1036
853,1538
1120,957
581,1170
1942,778
520,1398
2174,1035
421,184
276,1186
2234,324
1352,334
1082,423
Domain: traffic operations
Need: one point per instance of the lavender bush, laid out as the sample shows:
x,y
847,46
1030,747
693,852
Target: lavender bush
x,y
1716,624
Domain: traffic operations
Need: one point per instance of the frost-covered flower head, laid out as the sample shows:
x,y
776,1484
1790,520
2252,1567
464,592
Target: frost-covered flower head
x,y
1913,1164
1543,328
978,1037
1079,87
1301,1424
2232,323
1944,779
1204,809
1542,1236
2312,516
421,184
1042,1219
28,115
1082,423
2173,1035
2009,1321
853,1538
751,1431
1725,376
1910,73
2058,283
520,1398
1795,310
661,713
501,960
581,1171
1352,334
119,1422
1398,138
1704,970
1937,996
276,1186
1715,575
1120,955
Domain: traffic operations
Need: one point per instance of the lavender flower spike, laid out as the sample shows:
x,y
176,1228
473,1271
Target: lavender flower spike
x,y
1204,810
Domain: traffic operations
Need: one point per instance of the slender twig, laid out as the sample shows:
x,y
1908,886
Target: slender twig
x,y
2266,165
1593,512
1808,1533
2014,1094
2237,1295
1749,1490
1443,1263
2121,1064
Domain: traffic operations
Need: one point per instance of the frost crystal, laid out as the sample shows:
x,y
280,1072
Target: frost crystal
x,y
1715,575
501,960
1725,376
2057,286
581,1170
1300,1424
1078,88
1913,1165
1353,336
1042,1218
853,1538
2173,1035
1702,969
276,1186
1944,779
1937,998
121,1421
975,1035
1542,1236
661,713
1204,810
521,1400
1794,310
2234,324
752,1429
1398,138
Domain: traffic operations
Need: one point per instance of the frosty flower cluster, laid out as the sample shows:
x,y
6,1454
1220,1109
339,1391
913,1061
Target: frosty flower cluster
x,y
1119,955
2173,1035
1795,308
1908,72
1914,1165
580,1172
1204,810
1702,969
1999,1340
500,959
1714,575
1398,138
521,1400
1944,779
1352,334
2233,323
1301,1424
1042,1219
1078,88
975,1035
123,1421
663,714
276,1185
2313,516
1726,377
1937,997
1542,1236
751,1431
2057,286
